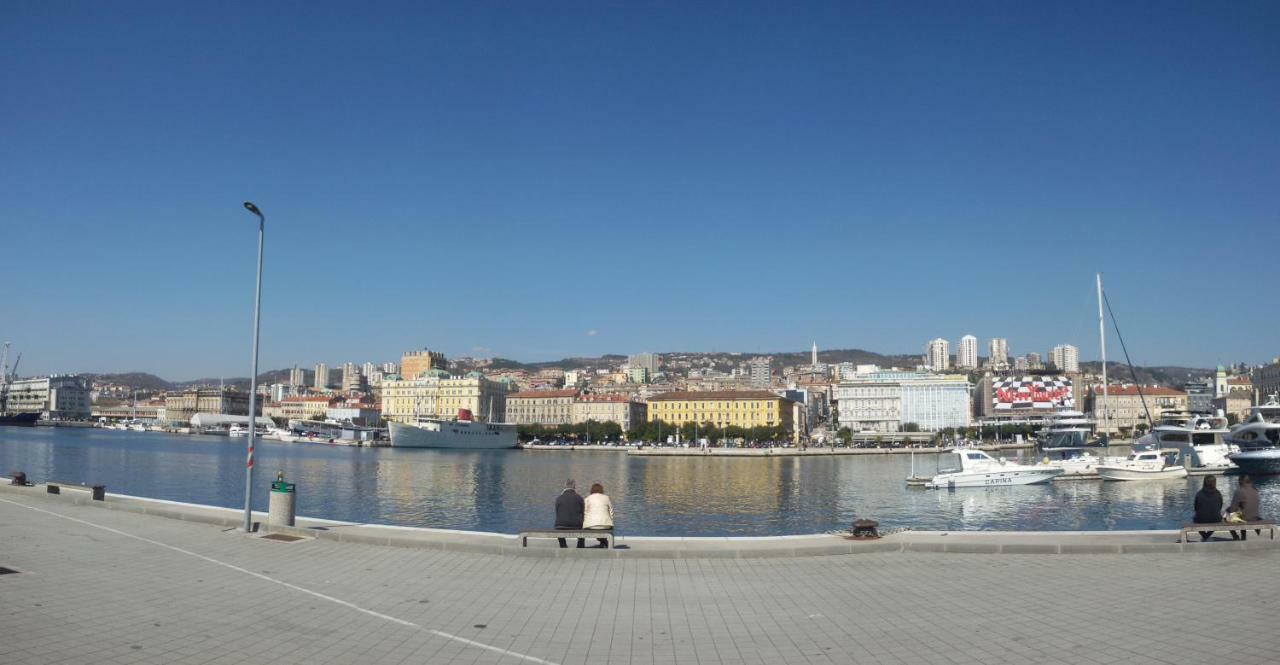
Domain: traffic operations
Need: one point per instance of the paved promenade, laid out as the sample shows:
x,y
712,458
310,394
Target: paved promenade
x,y
111,586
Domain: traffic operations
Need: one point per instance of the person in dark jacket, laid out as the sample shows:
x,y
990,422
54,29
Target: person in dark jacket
x,y
1245,500
1208,506
570,508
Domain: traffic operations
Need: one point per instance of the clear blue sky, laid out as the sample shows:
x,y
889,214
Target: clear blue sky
x,y
539,180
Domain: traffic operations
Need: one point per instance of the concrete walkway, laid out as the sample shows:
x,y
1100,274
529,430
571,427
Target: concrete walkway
x,y
115,586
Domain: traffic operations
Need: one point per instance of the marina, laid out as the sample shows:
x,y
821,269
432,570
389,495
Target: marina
x,y
505,491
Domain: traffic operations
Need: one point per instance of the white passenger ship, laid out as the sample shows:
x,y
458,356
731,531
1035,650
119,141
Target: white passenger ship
x,y
463,433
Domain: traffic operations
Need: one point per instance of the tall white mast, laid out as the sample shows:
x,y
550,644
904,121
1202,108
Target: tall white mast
x,y
1102,341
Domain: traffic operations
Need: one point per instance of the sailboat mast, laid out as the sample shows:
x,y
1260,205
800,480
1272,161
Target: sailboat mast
x,y
1102,341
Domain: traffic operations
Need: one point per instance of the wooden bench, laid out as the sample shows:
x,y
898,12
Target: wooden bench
x,y
99,491
607,534
1187,529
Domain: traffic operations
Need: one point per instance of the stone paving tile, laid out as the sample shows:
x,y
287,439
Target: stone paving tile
x,y
91,595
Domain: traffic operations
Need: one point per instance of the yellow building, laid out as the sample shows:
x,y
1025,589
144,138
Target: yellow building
x,y
414,363
723,408
438,395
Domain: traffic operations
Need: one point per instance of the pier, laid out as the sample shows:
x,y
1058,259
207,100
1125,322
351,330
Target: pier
x,y
236,598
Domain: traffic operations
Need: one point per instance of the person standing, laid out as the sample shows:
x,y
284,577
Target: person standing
x,y
599,512
1208,506
1245,500
569,508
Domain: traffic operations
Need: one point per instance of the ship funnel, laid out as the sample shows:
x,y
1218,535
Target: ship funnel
x,y
464,415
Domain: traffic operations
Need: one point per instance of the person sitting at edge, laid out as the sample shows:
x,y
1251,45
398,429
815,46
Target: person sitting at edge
x,y
1245,500
599,512
569,511
1208,506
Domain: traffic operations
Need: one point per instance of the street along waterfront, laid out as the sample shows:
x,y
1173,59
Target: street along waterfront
x,y
506,491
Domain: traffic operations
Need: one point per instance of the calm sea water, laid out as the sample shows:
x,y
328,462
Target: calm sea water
x,y
506,491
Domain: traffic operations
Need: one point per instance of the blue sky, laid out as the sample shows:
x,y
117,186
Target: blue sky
x,y
538,181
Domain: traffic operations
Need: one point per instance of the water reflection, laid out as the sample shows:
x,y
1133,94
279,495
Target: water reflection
x,y
506,491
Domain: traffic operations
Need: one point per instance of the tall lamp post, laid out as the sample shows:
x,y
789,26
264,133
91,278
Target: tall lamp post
x,y
253,376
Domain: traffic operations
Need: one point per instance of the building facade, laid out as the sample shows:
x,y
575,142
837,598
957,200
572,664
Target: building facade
x,y
1065,358
761,372
998,353
541,407
937,354
435,394
414,363
321,379
1266,381
886,400
746,408
304,408
649,361
1124,410
967,353
180,407
352,379
297,376
58,397
619,409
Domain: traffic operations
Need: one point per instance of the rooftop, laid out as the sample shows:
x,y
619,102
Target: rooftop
x,y
714,394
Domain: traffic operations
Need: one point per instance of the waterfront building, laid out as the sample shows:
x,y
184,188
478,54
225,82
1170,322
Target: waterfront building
x,y
998,353
1266,381
937,355
1065,358
967,353
352,380
436,394
297,376
727,408
322,376
1234,405
57,397
617,408
179,407
648,361
887,400
1125,409
761,372
541,407
414,363
305,407
355,412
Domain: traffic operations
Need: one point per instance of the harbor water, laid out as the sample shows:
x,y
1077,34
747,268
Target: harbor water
x,y
506,491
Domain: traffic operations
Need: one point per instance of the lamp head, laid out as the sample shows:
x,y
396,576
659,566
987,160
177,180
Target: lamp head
x,y
248,205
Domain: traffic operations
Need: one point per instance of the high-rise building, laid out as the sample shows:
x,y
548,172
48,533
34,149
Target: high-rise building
x,y
1034,361
368,369
1065,358
297,376
1020,363
648,361
761,372
390,368
938,355
998,353
967,353
351,378
814,359
322,376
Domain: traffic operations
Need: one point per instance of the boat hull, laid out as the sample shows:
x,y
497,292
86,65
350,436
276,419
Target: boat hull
x,y
20,419
1123,473
456,435
1258,462
995,478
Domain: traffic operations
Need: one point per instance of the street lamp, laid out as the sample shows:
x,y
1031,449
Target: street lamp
x,y
253,376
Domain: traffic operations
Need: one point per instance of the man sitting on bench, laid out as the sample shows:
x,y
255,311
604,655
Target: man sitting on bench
x,y
569,510
1245,500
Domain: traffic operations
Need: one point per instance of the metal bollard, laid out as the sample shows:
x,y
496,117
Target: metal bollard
x,y
280,510
99,492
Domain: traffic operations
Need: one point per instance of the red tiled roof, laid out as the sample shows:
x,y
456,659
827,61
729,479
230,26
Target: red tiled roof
x,y
714,394
530,394
1149,391
305,399
604,398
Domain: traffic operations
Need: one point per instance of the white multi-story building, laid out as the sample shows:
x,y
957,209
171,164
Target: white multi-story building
x,y
435,394
58,397
885,400
998,353
322,376
938,355
967,353
648,361
761,372
297,376
1065,358
1021,364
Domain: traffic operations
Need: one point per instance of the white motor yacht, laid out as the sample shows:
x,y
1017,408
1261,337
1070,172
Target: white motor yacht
x,y
1072,460
1142,465
1258,440
978,469
1198,437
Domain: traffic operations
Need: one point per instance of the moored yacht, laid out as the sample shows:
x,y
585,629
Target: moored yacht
x,y
1198,437
978,469
1258,440
1142,465
1069,429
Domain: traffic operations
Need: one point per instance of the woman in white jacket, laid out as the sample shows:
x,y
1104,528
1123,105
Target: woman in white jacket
x,y
598,512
